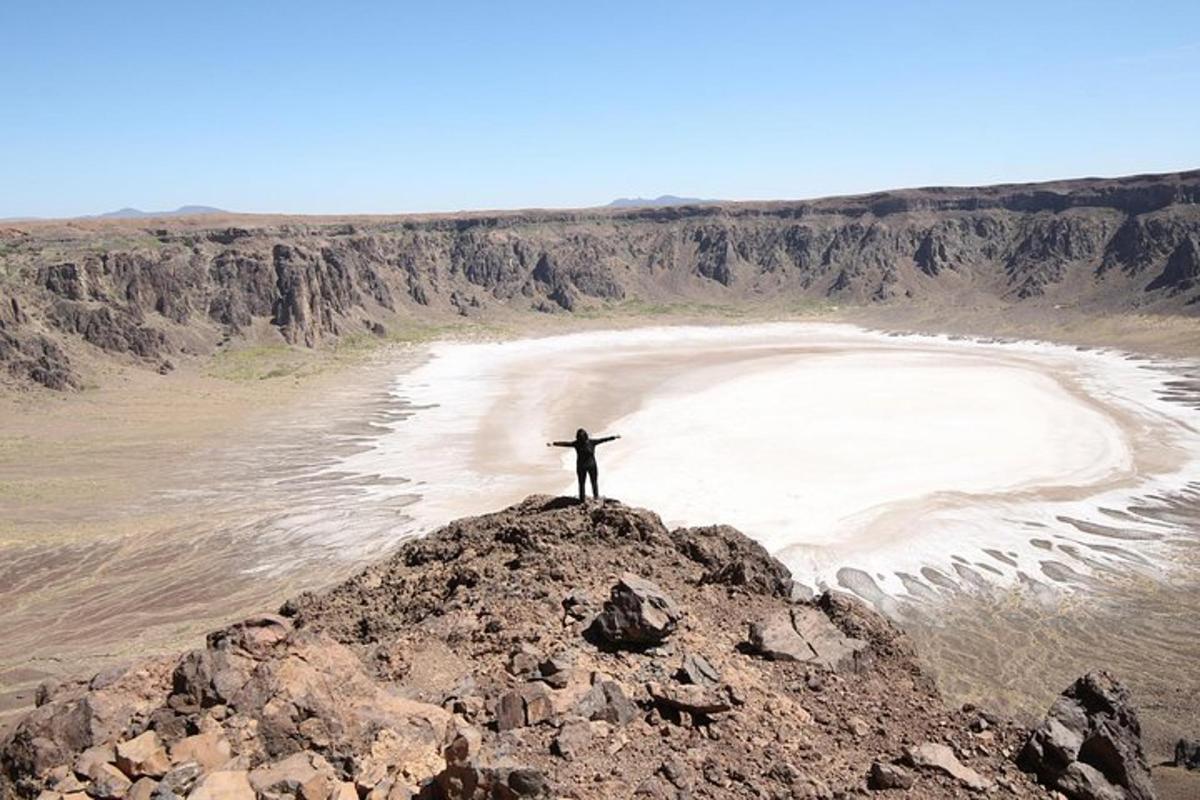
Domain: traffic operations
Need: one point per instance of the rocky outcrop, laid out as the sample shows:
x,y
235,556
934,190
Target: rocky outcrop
x,y
260,706
37,359
456,668
1095,245
1187,754
807,635
1089,747
1182,270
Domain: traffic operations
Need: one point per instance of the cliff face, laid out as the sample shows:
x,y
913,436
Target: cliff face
x,y
149,290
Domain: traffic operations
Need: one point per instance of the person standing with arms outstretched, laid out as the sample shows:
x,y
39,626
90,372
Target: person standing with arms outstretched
x,y
585,459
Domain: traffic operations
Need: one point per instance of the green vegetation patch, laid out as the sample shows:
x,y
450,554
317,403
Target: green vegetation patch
x,y
260,362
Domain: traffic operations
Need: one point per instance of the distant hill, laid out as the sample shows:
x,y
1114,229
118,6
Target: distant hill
x,y
661,200
182,211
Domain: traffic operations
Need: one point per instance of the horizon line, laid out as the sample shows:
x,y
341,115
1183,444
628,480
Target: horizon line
x,y
114,215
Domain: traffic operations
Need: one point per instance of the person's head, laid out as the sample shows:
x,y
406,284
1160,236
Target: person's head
x,y
581,435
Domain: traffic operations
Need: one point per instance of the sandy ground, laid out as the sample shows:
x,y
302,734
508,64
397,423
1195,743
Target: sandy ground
x,y
134,517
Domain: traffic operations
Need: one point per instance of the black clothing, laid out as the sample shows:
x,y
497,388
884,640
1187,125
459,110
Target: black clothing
x,y
587,472
585,461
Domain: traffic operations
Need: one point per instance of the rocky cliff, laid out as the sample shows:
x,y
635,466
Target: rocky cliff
x,y
516,655
147,290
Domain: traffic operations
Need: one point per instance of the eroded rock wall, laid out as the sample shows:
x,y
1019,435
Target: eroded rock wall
x,y
1097,245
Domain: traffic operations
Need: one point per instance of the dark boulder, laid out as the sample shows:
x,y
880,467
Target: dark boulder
x,y
1187,753
1089,746
638,614
888,776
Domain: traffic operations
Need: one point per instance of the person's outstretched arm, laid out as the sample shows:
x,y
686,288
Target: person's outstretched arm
x,y
604,439
560,444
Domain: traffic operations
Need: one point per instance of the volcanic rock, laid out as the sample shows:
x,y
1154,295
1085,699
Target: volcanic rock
x,y
889,776
637,614
1089,745
940,757
289,776
573,737
143,755
1127,244
696,669
223,785
699,701
732,560
805,634
1187,754
108,782
182,778
208,750
606,701
311,705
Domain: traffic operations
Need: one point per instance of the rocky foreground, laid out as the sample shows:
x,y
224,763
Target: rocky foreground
x,y
557,650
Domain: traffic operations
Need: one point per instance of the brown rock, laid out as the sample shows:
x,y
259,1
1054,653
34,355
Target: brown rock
x,y
168,724
90,759
573,738
889,776
678,773
529,705
109,782
510,711
557,664
696,669
607,701
774,638
528,783
73,721
401,754
538,705
223,785
289,775
143,755
732,560
142,789
68,783
696,700
210,750
857,726
318,787
523,661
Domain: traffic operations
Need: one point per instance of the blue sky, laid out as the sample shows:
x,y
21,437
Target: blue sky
x,y
312,107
